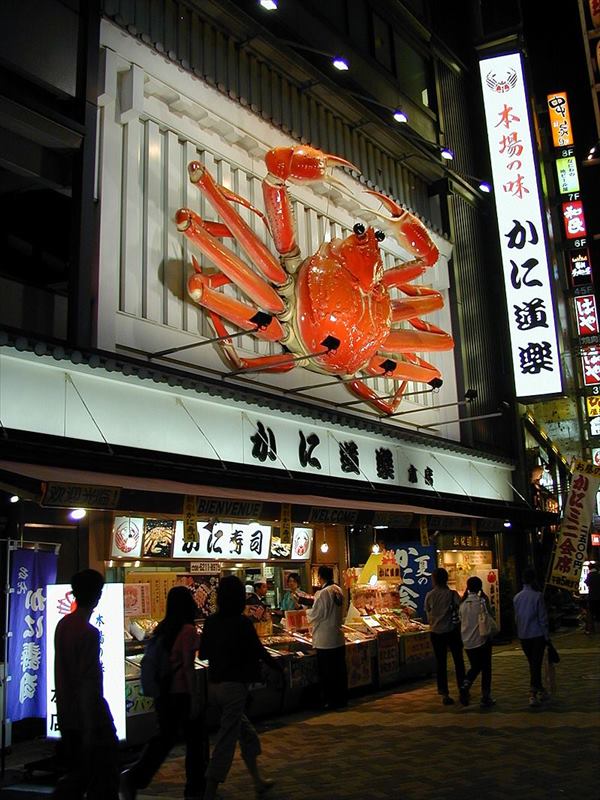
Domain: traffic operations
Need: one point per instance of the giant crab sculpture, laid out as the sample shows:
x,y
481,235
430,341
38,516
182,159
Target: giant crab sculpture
x,y
332,310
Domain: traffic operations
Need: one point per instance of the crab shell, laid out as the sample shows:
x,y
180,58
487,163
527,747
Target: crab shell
x,y
339,293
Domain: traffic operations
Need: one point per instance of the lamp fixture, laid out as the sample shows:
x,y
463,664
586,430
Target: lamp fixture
x,y
375,549
14,498
78,513
330,343
261,320
337,60
507,523
593,157
447,154
268,5
400,116
461,419
470,395
388,365
324,545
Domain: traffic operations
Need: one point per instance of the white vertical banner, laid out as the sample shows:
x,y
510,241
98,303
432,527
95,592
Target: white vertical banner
x,y
570,551
527,279
108,618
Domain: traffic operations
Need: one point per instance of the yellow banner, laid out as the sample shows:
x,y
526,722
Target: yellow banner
x,y
190,519
424,531
570,550
560,119
285,524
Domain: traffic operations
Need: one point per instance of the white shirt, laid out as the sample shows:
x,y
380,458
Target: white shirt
x,y
469,621
325,618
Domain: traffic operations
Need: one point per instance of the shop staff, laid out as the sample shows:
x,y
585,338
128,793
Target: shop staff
x,y
325,618
256,604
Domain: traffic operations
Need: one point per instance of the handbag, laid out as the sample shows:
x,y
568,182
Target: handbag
x,y
487,624
553,656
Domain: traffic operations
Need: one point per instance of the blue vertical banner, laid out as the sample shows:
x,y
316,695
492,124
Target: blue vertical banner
x,y
30,572
416,562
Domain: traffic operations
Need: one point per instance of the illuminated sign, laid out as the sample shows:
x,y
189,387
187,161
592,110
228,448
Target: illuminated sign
x,y
534,345
593,406
568,177
574,219
580,268
225,541
587,316
590,361
595,426
596,456
595,539
108,618
560,119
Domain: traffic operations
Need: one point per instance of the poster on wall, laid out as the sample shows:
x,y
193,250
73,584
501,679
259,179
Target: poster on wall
x,y
159,584
136,600
158,537
416,562
108,618
491,587
127,535
203,589
302,544
30,572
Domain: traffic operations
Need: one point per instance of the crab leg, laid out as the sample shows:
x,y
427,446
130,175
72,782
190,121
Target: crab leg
x,y
409,307
295,165
257,251
408,367
192,226
427,337
398,276
279,363
201,288
409,231
371,398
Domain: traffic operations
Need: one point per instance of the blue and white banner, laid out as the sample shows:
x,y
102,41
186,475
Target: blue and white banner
x,y
416,563
30,572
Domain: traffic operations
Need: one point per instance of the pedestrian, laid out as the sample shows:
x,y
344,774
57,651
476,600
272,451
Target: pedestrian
x,y
592,581
86,725
231,645
532,629
477,647
325,618
177,705
441,608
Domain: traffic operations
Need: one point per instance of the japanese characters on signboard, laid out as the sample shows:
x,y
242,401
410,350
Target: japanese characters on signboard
x,y
596,456
590,362
203,589
570,550
136,600
108,618
568,177
416,562
225,541
534,345
587,315
560,119
580,268
592,405
573,219
127,535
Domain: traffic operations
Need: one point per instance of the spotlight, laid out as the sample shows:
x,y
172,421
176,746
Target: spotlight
x,y
340,63
484,186
400,116
14,498
268,5
507,523
78,513
447,154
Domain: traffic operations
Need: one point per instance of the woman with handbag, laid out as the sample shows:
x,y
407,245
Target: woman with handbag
x,y
441,607
477,627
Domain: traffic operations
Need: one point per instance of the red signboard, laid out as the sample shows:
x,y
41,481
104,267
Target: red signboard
x,y
574,219
595,539
587,315
590,360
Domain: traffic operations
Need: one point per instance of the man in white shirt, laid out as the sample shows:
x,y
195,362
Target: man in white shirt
x,y
325,618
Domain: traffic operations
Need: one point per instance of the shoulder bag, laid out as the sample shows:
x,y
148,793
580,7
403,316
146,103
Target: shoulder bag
x,y
487,624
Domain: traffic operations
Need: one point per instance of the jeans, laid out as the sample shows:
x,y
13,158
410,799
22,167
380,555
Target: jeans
x,y
534,650
333,676
173,714
93,771
442,642
231,698
480,659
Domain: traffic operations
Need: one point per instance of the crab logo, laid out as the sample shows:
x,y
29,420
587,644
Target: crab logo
x,y
502,85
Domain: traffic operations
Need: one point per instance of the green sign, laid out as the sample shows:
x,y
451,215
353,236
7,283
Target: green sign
x,y
568,179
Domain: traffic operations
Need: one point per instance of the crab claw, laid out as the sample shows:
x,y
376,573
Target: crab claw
x,y
302,164
409,231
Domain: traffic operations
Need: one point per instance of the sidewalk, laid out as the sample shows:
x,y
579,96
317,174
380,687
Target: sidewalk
x,y
402,744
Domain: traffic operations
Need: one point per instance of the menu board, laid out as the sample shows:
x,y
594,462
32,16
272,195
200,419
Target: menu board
x,y
203,589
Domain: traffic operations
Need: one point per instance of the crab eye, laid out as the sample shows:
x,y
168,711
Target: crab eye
x,y
359,229
380,236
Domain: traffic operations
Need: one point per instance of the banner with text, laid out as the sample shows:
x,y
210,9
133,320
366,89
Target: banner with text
x,y
571,545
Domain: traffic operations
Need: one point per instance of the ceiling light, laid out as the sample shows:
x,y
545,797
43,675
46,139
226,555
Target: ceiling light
x,y
324,547
507,523
78,513
484,186
375,549
15,498
340,63
400,116
268,5
447,154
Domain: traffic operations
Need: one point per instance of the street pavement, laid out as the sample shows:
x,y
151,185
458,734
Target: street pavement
x,y
402,744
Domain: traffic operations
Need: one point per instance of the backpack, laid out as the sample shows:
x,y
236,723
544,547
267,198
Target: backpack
x,y
157,672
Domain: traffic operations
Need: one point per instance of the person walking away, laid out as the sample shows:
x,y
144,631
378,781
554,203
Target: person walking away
x,y
531,618
86,725
592,581
177,705
325,618
231,645
477,647
441,608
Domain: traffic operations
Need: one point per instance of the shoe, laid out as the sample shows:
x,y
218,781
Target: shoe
x,y
544,696
487,702
127,790
447,700
263,786
464,694
534,701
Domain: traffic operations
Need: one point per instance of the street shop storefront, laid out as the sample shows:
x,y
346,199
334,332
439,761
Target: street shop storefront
x,y
151,455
